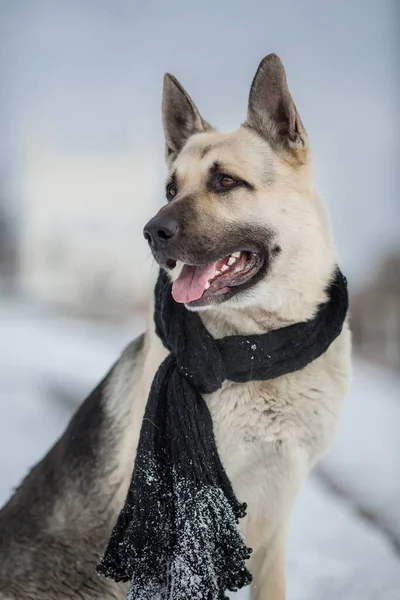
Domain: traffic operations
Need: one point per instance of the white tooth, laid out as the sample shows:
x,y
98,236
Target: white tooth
x,y
231,260
207,285
224,268
217,273
236,254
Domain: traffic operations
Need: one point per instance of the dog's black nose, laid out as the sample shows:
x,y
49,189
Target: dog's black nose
x,y
159,230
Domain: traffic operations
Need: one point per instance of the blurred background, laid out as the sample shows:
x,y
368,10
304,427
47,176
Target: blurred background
x,y
81,171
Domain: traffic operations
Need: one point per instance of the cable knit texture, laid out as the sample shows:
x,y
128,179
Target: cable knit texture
x,y
177,537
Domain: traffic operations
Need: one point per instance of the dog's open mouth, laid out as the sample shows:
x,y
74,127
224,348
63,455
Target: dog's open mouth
x,y
210,283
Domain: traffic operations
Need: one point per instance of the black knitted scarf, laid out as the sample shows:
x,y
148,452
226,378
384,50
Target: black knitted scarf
x,y
177,537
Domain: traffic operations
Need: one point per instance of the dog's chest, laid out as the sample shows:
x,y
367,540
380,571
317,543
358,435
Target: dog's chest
x,y
270,433
249,418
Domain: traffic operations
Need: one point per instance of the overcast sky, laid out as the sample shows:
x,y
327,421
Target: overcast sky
x,y
87,75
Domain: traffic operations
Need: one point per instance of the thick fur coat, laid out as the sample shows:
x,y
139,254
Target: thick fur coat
x,y
269,434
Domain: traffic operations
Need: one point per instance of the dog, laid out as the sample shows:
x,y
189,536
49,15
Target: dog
x,y
247,243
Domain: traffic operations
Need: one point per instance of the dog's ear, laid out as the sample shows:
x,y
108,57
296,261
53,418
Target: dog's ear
x,y
271,110
181,119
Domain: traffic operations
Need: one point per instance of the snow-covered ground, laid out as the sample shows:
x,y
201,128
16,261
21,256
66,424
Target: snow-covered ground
x,y
347,520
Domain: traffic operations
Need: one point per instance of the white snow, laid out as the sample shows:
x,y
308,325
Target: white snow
x,y
370,428
48,363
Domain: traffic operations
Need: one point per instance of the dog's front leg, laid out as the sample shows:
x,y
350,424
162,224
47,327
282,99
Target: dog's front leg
x,y
268,567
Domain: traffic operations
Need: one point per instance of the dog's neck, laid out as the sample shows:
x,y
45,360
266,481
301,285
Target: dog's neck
x,y
295,305
241,321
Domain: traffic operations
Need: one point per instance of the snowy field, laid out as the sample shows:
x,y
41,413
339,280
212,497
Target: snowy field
x,y
346,526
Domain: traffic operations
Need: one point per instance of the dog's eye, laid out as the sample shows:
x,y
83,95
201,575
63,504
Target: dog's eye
x,y
171,191
220,182
223,183
227,182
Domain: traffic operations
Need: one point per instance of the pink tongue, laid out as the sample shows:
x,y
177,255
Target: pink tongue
x,y
192,281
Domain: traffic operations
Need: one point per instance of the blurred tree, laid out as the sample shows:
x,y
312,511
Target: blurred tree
x,y
8,253
375,315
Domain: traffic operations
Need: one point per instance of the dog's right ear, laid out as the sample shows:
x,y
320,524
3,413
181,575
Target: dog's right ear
x,y
181,119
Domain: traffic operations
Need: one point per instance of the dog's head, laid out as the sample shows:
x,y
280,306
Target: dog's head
x,y
242,225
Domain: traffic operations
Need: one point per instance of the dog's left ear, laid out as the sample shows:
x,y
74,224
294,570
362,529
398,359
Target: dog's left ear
x,y
271,110
180,116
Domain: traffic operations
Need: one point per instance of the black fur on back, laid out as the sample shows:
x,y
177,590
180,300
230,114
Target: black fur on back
x,y
54,528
